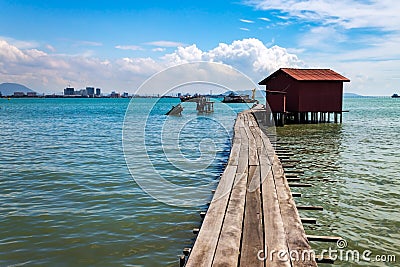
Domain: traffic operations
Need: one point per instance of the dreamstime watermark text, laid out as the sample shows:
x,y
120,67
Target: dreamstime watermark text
x,y
339,253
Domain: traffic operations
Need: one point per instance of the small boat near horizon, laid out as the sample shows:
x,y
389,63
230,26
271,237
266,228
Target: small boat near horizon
x,y
189,98
234,98
395,96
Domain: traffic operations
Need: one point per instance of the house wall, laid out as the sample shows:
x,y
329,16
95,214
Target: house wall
x,y
276,102
285,83
322,96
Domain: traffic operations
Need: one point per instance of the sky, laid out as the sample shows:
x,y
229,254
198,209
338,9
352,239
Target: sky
x,y
117,45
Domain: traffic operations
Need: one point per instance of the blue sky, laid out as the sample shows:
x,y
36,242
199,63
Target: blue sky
x,y
116,45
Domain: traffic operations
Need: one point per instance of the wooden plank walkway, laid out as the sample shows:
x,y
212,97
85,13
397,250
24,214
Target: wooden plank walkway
x,y
252,219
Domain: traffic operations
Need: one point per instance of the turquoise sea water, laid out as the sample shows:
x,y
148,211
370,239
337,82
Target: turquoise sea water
x,y
68,199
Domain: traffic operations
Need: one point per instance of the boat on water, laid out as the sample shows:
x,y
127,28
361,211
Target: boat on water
x,y
175,110
189,98
395,96
234,98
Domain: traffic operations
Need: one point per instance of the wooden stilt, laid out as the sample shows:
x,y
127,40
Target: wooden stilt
x,y
182,260
186,251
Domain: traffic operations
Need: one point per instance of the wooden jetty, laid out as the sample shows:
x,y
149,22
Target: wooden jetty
x,y
252,219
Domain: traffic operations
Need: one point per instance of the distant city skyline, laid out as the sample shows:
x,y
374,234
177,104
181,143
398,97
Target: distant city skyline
x,y
117,45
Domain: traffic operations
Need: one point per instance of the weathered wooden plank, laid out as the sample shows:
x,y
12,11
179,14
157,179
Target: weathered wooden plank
x,y
236,130
234,156
254,130
244,153
274,232
252,208
252,240
204,248
253,157
228,248
295,235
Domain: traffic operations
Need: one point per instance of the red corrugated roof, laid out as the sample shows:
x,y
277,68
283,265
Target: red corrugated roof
x,y
315,75
309,75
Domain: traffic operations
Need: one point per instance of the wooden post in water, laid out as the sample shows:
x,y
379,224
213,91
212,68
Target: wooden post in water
x,y
182,260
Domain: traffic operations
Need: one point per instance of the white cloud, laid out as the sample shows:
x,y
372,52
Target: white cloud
x,y
244,29
322,38
87,43
383,14
158,49
246,21
48,71
10,53
184,55
129,47
52,72
50,48
19,43
264,19
165,44
250,56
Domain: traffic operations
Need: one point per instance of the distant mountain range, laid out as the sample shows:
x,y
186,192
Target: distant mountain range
x,y
8,89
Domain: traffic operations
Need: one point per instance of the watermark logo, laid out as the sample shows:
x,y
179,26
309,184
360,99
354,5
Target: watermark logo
x,y
339,253
176,159
341,243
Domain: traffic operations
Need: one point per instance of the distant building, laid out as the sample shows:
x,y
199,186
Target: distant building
x,y
69,91
90,91
81,92
19,94
115,94
98,91
31,94
125,95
